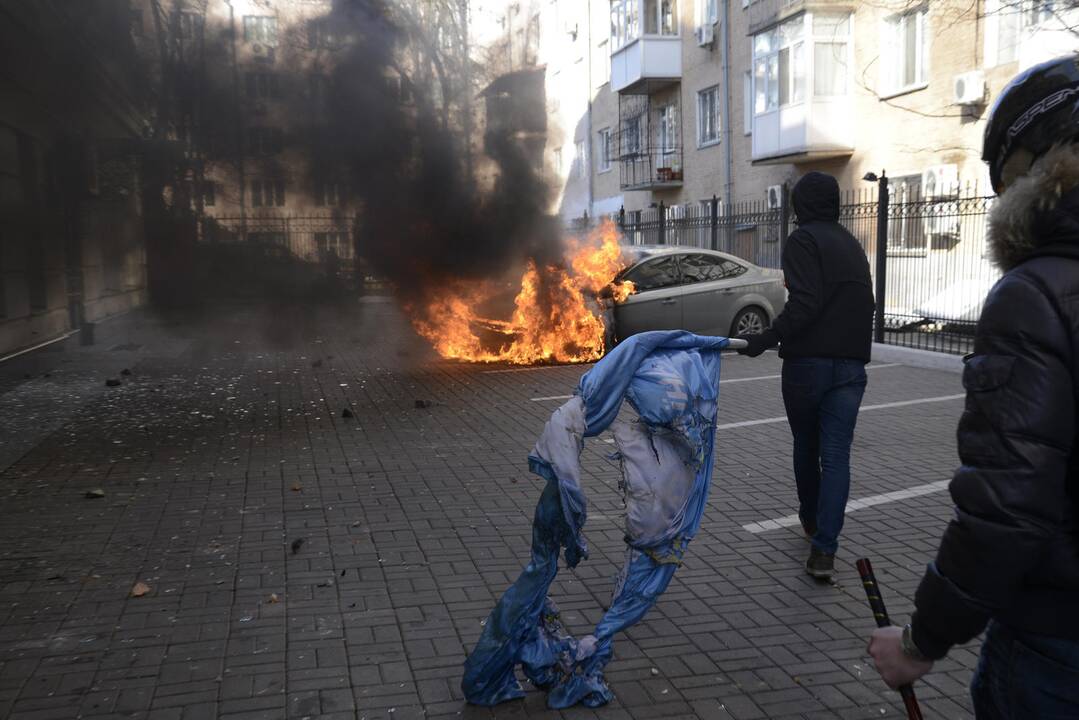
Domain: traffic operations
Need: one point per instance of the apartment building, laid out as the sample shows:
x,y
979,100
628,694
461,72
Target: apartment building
x,y
72,248
680,101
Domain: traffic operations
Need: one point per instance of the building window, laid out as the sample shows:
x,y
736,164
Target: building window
x,y
263,237
208,191
264,140
329,193
604,151
262,86
906,227
779,67
668,129
189,25
261,29
267,193
708,12
831,48
656,17
324,34
557,161
631,136
580,158
336,244
904,51
1006,22
708,116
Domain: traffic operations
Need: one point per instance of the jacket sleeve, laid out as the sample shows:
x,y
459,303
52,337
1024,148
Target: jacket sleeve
x,y
805,286
1015,439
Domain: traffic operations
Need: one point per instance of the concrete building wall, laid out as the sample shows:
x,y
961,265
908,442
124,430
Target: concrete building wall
x,y
72,244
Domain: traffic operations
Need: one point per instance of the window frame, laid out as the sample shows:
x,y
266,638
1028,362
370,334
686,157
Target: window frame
x,y
715,117
894,54
604,157
255,30
628,21
780,40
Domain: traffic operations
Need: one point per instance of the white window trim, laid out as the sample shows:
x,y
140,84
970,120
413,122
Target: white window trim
x,y
747,100
806,42
886,91
608,156
701,144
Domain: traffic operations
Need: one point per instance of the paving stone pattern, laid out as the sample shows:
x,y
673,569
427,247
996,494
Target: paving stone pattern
x,y
306,565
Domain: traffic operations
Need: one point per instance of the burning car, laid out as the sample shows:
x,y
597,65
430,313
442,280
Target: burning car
x,y
703,291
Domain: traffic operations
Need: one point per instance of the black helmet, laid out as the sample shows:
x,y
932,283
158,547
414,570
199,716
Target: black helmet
x,y
1036,110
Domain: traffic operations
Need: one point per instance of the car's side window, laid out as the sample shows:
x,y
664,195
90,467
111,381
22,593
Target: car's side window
x,y
653,274
732,269
703,268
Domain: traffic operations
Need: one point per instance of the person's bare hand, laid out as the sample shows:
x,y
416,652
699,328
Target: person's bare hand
x,y
895,667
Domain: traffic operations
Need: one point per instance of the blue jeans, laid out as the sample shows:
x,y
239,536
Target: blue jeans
x,y
822,397
1023,676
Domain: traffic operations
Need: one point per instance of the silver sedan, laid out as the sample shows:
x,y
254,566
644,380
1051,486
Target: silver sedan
x,y
703,291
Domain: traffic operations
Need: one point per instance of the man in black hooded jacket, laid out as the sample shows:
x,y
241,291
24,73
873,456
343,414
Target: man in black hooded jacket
x,y
825,331
1009,560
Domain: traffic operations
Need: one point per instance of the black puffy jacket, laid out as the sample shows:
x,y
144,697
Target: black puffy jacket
x,y
829,310
1012,551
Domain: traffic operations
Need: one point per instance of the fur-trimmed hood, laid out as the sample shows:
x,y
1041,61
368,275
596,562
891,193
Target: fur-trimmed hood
x,y
1041,209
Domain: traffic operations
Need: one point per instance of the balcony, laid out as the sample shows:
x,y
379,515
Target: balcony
x,y
646,64
651,169
802,87
646,45
649,143
802,133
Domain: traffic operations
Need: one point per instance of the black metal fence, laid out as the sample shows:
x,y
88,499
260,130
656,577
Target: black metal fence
x,y
936,268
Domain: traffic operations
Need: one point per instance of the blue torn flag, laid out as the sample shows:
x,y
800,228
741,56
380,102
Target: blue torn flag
x,y
671,378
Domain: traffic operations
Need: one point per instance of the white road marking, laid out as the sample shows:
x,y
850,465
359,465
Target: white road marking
x,y
882,406
852,505
721,382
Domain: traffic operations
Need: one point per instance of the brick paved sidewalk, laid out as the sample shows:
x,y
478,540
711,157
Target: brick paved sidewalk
x,y
303,564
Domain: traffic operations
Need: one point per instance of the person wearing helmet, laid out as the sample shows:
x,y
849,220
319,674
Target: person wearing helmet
x,y
1008,562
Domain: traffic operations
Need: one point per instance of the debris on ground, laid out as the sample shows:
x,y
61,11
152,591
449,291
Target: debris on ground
x,y
125,371
296,545
140,589
274,598
112,382
95,493
296,487
420,404
346,413
317,364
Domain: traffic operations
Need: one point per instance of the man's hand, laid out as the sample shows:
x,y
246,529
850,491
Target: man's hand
x,y
896,667
758,343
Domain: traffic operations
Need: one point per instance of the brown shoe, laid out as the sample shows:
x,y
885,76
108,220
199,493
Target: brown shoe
x,y
820,565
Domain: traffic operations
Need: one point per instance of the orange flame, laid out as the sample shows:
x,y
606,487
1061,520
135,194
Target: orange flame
x,y
556,317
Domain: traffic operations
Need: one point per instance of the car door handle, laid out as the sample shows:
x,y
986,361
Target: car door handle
x,y
669,301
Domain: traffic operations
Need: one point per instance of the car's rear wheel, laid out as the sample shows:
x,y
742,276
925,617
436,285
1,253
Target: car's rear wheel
x,y
749,321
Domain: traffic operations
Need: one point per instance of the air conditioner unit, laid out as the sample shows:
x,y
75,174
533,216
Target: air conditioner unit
x,y
775,197
942,220
940,181
969,88
706,35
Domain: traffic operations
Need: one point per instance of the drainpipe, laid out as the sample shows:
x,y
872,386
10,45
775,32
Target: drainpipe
x,y
728,154
588,91
239,122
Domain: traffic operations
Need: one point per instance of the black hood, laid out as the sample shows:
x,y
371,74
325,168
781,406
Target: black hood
x,y
816,197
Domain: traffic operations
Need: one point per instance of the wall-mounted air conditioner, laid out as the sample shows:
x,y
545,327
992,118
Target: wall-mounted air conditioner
x,y
940,181
706,34
969,88
774,197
